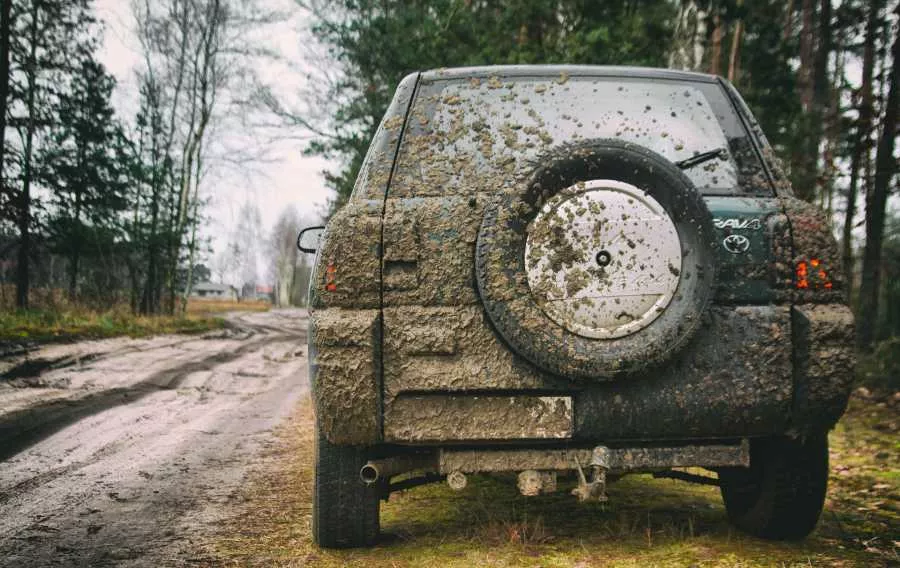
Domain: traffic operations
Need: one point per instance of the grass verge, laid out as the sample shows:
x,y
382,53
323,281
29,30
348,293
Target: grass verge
x,y
63,325
648,522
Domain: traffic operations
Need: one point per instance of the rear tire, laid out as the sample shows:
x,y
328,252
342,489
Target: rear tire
x,y
781,495
345,510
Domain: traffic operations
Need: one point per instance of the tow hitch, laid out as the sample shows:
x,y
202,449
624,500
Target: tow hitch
x,y
595,489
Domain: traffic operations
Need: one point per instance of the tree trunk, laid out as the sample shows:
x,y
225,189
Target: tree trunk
x,y
5,25
805,79
816,94
803,157
75,257
876,201
832,120
788,29
189,284
77,241
733,56
860,147
22,276
690,34
715,62
822,53
150,296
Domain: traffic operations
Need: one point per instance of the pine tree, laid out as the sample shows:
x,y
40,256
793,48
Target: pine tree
x,y
82,168
46,38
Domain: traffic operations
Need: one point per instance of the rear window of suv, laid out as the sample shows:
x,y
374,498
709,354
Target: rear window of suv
x,y
466,136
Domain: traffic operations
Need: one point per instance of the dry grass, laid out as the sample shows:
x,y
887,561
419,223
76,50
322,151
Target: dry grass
x,y
39,298
646,523
55,318
82,323
202,306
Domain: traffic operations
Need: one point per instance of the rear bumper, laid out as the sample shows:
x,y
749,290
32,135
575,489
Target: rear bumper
x,y
734,380
752,371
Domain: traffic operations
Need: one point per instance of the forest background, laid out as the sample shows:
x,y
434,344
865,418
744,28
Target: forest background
x,y
103,206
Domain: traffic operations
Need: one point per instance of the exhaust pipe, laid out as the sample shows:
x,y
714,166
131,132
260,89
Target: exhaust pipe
x,y
376,470
371,472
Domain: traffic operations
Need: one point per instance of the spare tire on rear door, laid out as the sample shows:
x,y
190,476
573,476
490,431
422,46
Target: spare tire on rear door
x,y
602,266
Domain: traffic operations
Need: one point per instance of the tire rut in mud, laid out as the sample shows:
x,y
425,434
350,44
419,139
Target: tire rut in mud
x,y
22,429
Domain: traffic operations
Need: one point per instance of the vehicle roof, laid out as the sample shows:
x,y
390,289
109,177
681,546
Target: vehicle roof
x,y
570,70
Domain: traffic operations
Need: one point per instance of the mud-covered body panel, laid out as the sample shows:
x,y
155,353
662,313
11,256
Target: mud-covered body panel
x,y
348,268
622,460
346,374
429,248
735,379
466,418
453,350
823,364
746,347
815,248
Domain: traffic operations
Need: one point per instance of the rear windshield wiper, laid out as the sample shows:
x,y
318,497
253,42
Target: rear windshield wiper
x,y
698,159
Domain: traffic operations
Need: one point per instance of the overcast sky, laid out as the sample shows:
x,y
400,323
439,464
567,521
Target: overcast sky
x,y
284,178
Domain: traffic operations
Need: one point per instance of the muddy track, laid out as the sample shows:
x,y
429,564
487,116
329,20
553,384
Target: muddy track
x,y
125,452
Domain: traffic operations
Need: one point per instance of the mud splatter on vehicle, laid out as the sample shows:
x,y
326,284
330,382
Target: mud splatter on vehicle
x,y
586,269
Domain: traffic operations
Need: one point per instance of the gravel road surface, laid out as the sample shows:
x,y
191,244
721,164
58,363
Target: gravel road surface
x,y
123,452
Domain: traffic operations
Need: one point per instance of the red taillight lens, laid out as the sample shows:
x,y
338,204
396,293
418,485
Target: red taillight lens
x,y
330,273
802,273
816,278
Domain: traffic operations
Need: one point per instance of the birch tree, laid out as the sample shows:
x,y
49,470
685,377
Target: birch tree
x,y
185,68
283,255
690,37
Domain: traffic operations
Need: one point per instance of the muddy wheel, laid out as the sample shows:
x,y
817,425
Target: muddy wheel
x,y
345,510
780,496
602,265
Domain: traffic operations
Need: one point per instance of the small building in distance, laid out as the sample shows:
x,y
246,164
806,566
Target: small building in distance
x,y
212,291
265,292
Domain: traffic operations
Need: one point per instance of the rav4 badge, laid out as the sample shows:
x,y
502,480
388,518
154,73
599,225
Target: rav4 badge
x,y
752,224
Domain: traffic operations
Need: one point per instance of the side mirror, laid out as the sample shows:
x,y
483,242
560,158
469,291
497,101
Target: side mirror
x,y
308,239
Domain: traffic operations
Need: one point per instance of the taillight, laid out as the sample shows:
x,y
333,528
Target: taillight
x,y
812,275
330,273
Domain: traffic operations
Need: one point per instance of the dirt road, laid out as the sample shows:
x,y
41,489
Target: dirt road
x,y
120,452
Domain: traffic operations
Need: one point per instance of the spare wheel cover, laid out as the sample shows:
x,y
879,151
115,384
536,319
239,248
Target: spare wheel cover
x,y
602,266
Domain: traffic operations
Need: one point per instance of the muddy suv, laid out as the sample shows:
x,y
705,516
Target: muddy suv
x,y
570,274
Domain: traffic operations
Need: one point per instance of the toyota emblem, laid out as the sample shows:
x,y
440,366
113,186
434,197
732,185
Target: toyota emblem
x,y
736,244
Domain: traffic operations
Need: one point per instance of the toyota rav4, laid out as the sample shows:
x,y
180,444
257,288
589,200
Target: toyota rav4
x,y
569,274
